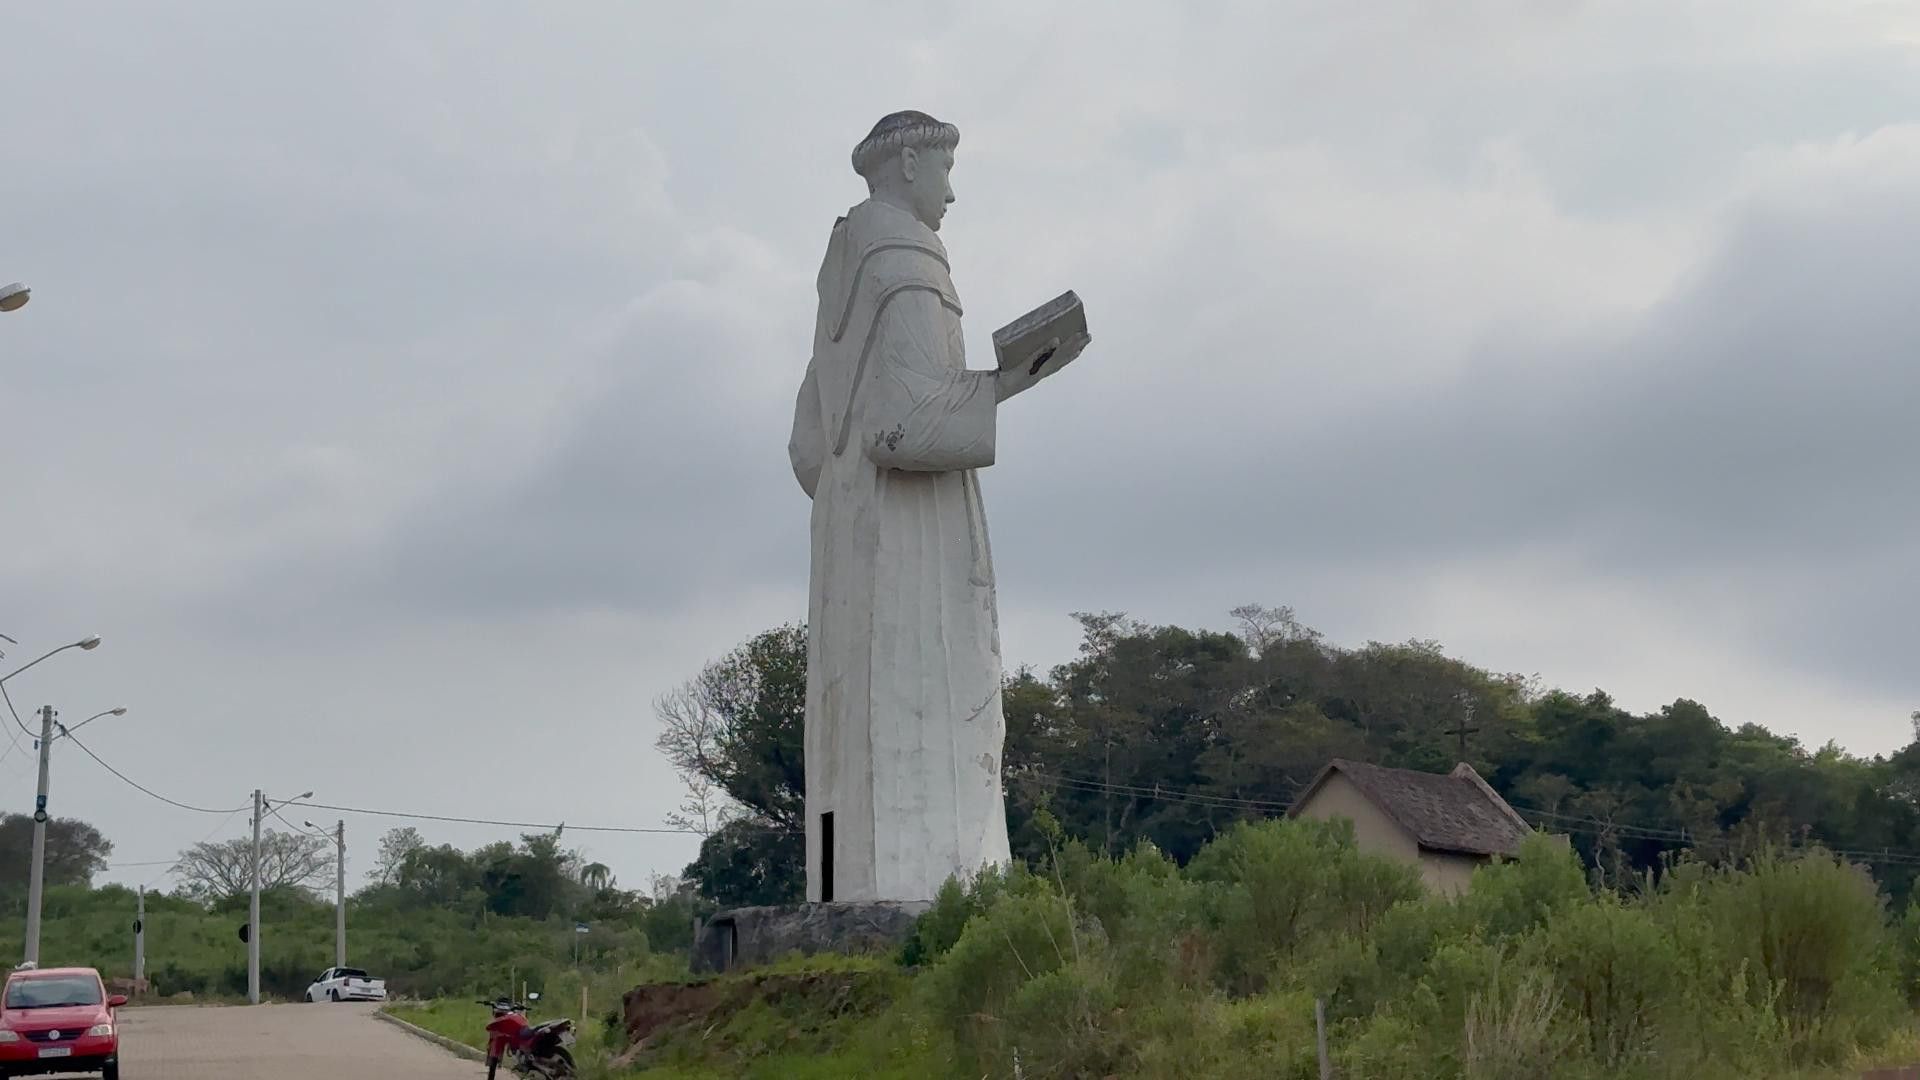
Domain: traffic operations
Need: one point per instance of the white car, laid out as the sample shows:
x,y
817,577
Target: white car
x,y
347,984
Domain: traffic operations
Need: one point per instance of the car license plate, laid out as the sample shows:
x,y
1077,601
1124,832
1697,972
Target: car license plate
x,y
57,1051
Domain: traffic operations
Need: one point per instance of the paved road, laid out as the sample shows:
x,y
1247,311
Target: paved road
x,y
278,1042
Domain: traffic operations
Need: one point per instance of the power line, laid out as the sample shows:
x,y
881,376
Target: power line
x,y
16,713
1884,856
144,789
1596,827
13,743
215,831
1157,792
544,826
275,811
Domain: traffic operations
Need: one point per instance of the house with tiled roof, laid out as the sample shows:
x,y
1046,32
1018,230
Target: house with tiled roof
x,y
1446,824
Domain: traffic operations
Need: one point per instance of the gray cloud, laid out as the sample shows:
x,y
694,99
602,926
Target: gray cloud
x,y
397,385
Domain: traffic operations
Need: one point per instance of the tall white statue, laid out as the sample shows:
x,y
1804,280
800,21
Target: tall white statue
x,y
904,729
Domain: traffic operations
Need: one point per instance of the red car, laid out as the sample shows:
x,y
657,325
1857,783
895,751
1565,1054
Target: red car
x,y
58,1020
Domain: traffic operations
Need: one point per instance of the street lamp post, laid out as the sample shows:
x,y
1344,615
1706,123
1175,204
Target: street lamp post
x,y
37,873
253,911
339,839
260,808
37,870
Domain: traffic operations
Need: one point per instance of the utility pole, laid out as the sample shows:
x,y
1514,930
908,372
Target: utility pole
x,y
140,939
12,297
340,897
1320,1038
253,910
37,874
339,839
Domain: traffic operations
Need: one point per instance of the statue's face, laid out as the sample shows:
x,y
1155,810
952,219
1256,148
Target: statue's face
x,y
929,188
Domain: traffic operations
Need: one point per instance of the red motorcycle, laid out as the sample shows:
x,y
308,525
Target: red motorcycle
x,y
529,1049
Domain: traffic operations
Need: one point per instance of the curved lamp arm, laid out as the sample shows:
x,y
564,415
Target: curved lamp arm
x,y
121,711
89,643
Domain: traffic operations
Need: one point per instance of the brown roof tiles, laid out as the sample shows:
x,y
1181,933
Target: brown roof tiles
x,y
1455,812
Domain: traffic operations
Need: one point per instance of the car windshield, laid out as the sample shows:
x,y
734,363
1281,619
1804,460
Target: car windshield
x,y
52,991
351,973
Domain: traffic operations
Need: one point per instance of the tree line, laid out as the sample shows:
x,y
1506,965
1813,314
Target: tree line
x,y
431,919
1173,735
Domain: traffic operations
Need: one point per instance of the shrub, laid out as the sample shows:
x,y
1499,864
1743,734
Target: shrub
x,y
1616,971
1815,929
1514,1032
939,928
1269,1037
978,984
1907,949
1457,973
1395,956
1271,884
1150,914
1510,898
1110,890
1386,1046
1062,1023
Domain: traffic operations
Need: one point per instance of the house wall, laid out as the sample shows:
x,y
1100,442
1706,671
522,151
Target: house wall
x,y
1448,873
1445,873
1373,830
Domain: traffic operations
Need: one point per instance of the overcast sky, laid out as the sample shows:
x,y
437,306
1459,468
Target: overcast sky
x,y
405,392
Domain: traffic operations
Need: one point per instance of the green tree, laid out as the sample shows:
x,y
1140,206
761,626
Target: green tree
x,y
439,877
535,879
745,864
596,876
740,726
75,851
224,870
395,846
1172,735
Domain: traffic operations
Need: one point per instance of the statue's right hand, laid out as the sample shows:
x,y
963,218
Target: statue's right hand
x,y
1058,354
1046,360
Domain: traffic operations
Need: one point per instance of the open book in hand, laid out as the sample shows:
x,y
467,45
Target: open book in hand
x,y
1026,342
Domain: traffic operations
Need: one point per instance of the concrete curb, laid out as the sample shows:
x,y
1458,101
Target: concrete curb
x,y
445,1043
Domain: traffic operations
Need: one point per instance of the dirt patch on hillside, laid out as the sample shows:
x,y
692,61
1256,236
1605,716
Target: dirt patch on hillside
x,y
746,1014
647,1009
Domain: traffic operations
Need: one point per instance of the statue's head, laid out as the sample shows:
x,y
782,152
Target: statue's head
x,y
905,161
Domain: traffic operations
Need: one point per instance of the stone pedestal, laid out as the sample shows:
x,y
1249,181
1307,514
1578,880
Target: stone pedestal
x,y
749,936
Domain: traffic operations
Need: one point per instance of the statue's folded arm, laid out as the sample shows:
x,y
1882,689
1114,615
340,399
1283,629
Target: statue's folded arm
x,y
923,411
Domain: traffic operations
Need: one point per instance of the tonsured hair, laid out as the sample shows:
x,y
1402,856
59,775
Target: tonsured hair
x,y
897,131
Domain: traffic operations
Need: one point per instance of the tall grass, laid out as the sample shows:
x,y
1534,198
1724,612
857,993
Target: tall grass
x,y
1090,967
1780,967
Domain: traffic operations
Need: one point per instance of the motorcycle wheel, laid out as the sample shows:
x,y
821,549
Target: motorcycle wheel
x,y
562,1065
493,1066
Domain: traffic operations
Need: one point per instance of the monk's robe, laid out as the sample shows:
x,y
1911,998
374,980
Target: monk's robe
x,y
904,728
